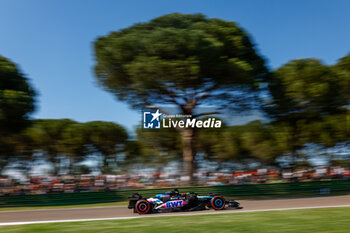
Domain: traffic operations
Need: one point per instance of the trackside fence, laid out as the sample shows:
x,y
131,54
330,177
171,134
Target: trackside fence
x,y
241,191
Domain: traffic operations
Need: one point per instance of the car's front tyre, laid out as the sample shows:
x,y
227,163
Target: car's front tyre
x,y
218,203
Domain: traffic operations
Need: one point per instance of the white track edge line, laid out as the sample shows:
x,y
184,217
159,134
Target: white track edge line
x,y
165,215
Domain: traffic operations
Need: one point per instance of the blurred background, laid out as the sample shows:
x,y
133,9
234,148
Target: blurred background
x,y
75,76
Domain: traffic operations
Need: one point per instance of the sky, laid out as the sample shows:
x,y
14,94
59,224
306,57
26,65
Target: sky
x,y
52,41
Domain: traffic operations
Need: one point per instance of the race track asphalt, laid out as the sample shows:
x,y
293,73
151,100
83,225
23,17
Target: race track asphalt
x,y
13,217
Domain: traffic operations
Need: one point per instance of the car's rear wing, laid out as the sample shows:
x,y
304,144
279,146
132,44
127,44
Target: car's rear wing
x,y
133,199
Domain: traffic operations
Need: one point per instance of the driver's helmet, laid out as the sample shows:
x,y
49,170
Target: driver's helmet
x,y
175,192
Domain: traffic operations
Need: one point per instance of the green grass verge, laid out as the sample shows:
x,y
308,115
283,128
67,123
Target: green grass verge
x,y
121,203
288,221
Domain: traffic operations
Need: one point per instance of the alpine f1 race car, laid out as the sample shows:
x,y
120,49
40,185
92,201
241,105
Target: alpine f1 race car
x,y
175,201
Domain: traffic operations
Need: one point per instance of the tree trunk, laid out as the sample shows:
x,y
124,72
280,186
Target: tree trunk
x,y
295,147
188,152
105,167
71,165
55,159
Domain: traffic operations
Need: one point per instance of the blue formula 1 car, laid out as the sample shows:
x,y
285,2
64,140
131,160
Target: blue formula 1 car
x,y
174,201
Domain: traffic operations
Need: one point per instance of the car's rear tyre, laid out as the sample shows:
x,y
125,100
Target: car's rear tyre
x,y
218,203
143,207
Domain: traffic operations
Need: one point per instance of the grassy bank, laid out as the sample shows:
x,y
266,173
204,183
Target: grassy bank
x,y
288,221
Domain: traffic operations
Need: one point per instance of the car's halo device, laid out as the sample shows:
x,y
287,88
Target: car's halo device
x,y
175,201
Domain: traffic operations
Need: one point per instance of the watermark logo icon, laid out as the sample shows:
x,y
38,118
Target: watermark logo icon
x,y
154,119
151,119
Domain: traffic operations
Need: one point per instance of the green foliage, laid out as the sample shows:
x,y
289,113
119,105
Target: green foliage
x,y
175,59
262,142
342,68
16,98
182,60
58,139
74,141
107,139
304,87
221,145
341,162
306,97
159,147
16,104
48,134
329,130
255,140
133,152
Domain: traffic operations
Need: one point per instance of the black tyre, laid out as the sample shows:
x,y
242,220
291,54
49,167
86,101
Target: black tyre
x,y
218,203
143,207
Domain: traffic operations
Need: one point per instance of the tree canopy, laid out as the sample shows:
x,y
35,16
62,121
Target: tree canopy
x,y
16,98
183,60
304,87
179,59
